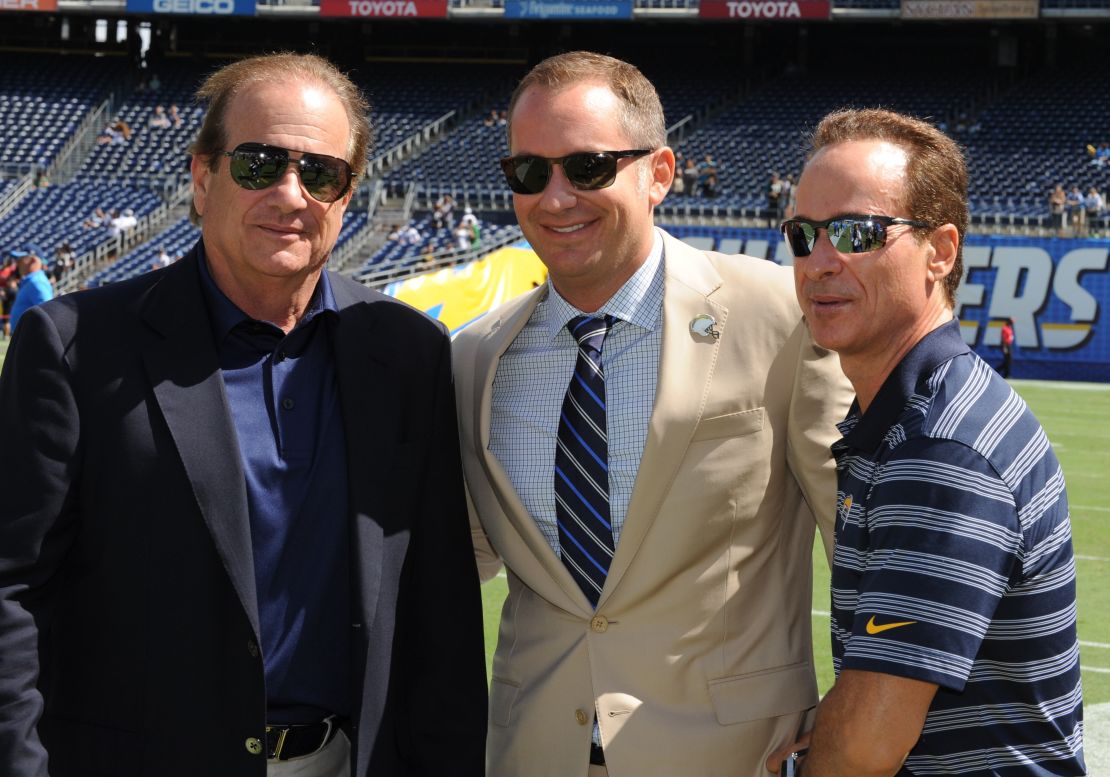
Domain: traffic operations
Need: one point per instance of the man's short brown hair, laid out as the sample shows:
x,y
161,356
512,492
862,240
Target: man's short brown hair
x,y
642,112
936,173
218,90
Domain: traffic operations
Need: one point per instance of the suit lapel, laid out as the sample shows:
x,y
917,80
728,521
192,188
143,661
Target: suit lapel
x,y
495,342
685,371
369,400
184,372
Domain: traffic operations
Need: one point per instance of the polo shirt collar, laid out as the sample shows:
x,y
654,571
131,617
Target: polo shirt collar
x,y
226,315
866,431
632,301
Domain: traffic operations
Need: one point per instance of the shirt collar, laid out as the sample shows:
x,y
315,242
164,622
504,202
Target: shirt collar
x,y
638,301
866,431
226,315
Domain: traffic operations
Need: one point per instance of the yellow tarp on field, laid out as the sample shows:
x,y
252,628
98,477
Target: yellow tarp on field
x,y
461,294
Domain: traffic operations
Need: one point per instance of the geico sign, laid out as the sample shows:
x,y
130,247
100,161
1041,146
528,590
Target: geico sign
x,y
1023,278
763,9
383,8
195,6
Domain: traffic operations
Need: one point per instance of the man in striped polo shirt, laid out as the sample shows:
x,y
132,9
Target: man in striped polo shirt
x,y
953,587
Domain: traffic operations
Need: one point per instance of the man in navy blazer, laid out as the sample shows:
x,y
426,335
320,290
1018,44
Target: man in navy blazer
x,y
234,538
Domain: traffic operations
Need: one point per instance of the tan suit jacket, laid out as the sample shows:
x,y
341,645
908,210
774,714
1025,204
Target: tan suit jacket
x,y
698,658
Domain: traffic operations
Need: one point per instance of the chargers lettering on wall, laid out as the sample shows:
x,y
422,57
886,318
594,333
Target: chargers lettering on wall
x,y
1024,278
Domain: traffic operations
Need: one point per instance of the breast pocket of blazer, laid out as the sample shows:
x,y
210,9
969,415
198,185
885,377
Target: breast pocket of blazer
x,y
736,424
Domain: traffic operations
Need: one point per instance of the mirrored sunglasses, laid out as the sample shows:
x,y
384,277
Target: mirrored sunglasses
x,y
848,234
258,166
586,170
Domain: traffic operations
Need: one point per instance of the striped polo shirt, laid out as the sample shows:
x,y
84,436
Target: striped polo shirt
x,y
954,565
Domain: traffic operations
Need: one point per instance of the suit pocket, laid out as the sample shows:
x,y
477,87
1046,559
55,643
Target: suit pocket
x,y
766,694
502,696
730,425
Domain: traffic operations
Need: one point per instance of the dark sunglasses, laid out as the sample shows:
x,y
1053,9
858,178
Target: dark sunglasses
x,y
848,234
586,170
257,166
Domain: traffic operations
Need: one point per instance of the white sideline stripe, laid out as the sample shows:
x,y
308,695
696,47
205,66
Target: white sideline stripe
x,y
1091,508
1092,558
1099,669
1061,384
1104,645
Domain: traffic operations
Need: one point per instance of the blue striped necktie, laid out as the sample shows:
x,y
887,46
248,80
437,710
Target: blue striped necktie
x,y
582,463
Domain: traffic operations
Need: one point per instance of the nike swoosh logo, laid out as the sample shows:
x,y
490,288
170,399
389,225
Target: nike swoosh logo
x,y
875,628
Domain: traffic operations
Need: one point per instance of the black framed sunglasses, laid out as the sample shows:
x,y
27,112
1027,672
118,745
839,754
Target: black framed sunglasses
x,y
586,170
848,234
258,165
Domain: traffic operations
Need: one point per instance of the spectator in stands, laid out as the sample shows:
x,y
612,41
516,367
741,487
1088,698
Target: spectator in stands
x,y
470,221
410,235
670,594
98,219
491,120
462,237
774,194
786,189
34,285
175,116
122,223
1057,201
792,194
1077,216
233,505
1093,204
159,119
690,177
709,187
953,614
63,260
444,213
162,260
707,169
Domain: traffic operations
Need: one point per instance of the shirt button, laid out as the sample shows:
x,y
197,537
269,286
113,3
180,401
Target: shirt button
x,y
252,647
254,746
580,716
599,623
288,403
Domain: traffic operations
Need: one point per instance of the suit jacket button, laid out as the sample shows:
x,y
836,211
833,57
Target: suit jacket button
x,y
254,746
252,648
599,623
580,716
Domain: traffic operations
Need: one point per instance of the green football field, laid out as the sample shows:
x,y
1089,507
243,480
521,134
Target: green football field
x,y
1077,418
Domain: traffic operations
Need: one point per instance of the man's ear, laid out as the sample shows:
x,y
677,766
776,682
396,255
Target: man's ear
x,y
198,166
662,173
945,241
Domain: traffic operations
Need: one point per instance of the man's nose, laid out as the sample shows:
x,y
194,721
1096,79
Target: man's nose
x,y
559,194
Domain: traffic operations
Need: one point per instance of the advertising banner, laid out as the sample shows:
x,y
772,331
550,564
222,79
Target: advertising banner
x,y
568,9
385,9
28,5
970,9
193,7
772,10
1055,289
459,295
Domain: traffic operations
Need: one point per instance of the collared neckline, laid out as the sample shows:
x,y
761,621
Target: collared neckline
x,y
866,431
226,315
629,303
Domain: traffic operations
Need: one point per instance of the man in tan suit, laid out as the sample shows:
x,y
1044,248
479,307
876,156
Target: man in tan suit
x,y
651,490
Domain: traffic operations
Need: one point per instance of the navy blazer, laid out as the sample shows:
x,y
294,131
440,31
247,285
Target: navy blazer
x,y
128,614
